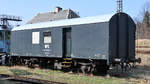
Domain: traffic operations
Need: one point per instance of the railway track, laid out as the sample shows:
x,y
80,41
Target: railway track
x,y
26,80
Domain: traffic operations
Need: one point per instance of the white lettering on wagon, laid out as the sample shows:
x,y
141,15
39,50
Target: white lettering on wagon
x,y
100,56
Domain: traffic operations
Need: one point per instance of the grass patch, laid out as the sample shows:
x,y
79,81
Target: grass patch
x,y
18,72
59,76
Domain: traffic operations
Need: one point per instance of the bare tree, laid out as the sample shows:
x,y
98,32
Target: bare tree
x,y
143,22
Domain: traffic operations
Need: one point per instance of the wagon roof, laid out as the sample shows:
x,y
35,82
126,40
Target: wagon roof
x,y
66,22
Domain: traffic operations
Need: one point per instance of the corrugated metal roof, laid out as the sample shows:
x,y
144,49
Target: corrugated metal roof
x,y
66,22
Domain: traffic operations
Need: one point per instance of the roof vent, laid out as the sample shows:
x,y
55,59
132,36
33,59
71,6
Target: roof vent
x,y
58,9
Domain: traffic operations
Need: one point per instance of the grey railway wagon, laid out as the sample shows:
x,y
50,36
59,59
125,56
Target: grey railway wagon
x,y
107,37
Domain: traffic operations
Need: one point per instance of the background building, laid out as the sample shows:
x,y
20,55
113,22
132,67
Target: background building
x,y
58,14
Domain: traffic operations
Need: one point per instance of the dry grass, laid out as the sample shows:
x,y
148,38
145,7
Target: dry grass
x,y
59,76
142,71
143,42
141,74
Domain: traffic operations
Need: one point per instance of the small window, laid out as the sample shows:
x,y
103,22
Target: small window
x,y
47,37
35,37
1,35
7,35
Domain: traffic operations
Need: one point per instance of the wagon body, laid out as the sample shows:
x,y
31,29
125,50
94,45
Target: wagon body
x,y
96,38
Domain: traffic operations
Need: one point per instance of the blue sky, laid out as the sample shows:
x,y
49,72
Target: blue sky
x,y
29,8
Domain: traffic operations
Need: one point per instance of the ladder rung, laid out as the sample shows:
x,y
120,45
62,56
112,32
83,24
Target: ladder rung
x,y
67,58
66,62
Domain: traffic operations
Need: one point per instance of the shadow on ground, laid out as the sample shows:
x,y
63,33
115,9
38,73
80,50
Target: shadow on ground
x,y
138,75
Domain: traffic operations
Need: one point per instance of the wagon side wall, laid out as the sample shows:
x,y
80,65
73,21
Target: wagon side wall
x,y
91,41
22,45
